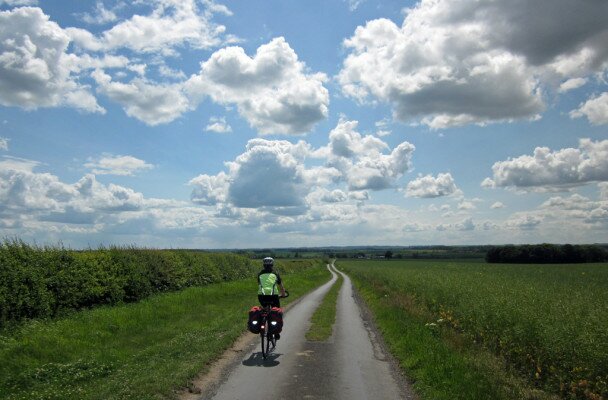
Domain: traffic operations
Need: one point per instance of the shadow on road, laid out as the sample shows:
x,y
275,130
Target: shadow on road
x,y
256,360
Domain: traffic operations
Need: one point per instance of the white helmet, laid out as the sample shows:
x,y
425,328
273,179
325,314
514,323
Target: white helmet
x,y
268,262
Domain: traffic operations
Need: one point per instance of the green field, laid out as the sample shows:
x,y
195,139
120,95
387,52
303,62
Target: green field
x,y
471,330
143,350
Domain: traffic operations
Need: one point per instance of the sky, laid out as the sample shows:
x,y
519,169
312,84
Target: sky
x,y
272,123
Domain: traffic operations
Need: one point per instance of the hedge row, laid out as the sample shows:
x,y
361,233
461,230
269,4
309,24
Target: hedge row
x,y
44,282
547,254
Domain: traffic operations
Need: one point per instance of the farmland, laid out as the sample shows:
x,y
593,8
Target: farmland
x,y
492,331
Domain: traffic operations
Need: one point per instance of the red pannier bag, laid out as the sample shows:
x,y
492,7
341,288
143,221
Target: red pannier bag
x,y
255,319
276,320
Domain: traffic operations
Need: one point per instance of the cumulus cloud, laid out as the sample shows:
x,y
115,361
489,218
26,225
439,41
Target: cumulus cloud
x,y
170,24
466,225
271,176
323,195
577,207
109,164
361,161
4,143
524,222
547,170
430,187
218,125
32,201
268,174
35,69
466,206
497,205
26,192
595,109
454,63
100,16
572,84
151,103
271,89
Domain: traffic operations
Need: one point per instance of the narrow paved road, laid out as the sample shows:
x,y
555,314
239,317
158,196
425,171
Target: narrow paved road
x,y
349,366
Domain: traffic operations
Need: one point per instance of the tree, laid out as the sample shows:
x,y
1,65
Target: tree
x,y
388,255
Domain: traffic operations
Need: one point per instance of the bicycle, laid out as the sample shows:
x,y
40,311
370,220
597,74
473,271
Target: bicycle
x,y
269,342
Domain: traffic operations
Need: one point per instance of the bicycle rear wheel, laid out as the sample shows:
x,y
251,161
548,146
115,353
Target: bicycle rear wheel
x,y
267,344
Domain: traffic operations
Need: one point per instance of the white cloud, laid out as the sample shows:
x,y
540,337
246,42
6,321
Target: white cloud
x,y
35,70
271,176
572,84
40,202
25,192
354,4
460,62
170,24
168,72
327,196
595,109
524,222
497,205
603,187
210,189
547,170
268,174
361,161
383,128
19,2
359,195
466,225
218,125
109,164
430,187
18,164
271,90
466,206
100,16
578,207
4,143
151,103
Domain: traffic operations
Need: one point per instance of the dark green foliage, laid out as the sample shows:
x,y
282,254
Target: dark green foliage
x,y
44,282
547,254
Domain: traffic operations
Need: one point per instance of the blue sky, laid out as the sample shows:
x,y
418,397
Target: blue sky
x,y
205,124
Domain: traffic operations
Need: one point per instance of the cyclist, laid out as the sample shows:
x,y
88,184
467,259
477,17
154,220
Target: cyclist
x,y
270,286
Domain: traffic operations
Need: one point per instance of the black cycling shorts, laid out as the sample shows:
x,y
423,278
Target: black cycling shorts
x,y
273,300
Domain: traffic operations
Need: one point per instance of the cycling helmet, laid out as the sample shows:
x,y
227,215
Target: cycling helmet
x,y
268,262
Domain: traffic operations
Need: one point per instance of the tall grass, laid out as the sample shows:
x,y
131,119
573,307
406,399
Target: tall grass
x,y
547,322
144,350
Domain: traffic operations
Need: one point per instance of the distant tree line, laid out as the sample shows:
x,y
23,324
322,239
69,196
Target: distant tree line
x,y
547,254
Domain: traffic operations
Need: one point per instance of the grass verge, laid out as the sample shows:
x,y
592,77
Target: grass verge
x,y
144,350
465,330
322,321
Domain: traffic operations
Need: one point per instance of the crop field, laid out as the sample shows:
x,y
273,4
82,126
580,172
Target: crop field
x,y
466,329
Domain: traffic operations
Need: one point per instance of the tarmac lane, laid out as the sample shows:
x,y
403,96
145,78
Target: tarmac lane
x,y
350,365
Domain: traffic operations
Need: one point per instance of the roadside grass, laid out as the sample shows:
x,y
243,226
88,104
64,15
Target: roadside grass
x,y
470,330
322,321
144,350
